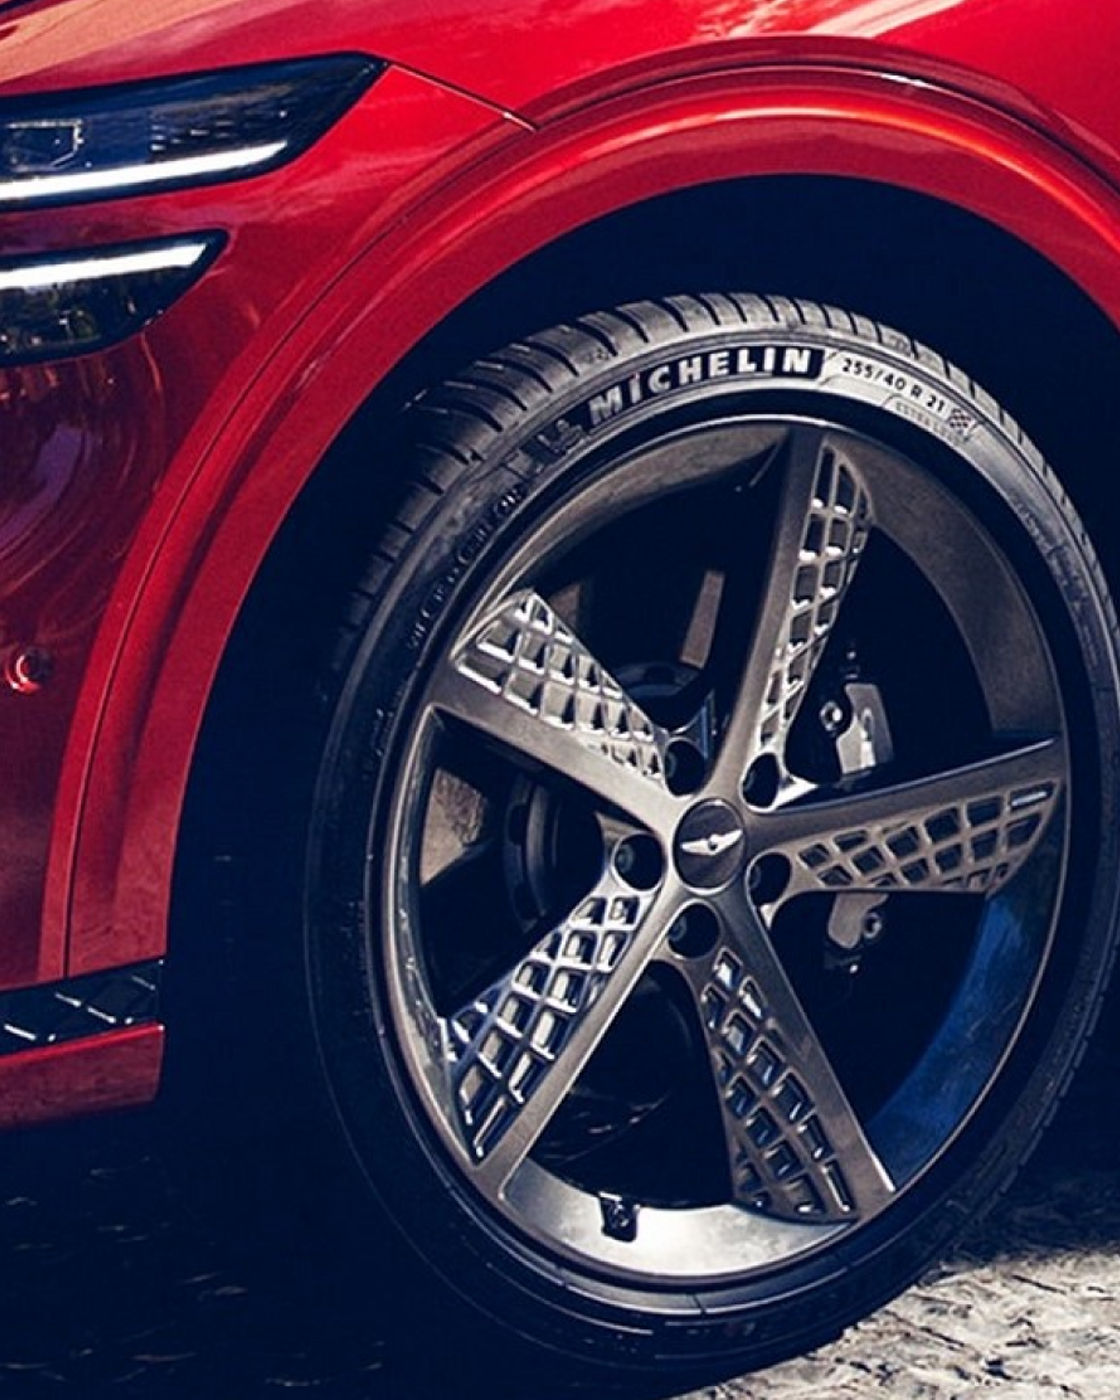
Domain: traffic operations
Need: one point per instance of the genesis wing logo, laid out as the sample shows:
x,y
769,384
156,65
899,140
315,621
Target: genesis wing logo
x,y
711,845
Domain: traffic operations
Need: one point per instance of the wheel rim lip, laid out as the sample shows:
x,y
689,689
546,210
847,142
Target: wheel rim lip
x,y
760,1243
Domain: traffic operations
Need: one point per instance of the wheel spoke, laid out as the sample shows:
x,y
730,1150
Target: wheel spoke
x,y
969,830
525,680
516,1050
796,1149
823,521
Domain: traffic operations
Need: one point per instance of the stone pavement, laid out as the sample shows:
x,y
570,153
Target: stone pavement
x,y
111,1288
1029,1306
1027,1310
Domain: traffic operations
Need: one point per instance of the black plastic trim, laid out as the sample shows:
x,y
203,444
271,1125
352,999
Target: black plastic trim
x,y
96,1004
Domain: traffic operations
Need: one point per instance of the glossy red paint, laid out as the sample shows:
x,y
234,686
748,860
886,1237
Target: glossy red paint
x,y
142,486
94,1075
91,487
536,58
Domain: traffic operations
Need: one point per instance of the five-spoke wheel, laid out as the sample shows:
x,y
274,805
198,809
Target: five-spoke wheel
x,y
705,800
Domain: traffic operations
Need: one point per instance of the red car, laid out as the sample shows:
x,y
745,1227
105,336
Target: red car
x,y
496,590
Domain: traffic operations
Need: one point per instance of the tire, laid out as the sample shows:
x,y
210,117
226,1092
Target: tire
x,y
712,865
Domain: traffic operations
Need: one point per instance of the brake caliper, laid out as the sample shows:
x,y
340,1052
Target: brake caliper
x,y
856,721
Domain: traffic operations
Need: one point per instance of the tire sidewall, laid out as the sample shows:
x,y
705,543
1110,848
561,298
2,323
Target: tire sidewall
x,y
907,399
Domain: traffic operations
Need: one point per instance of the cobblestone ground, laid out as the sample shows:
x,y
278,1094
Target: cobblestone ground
x,y
110,1287
1027,1310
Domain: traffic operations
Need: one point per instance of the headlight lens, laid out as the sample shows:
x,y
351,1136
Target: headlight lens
x,y
103,143
56,307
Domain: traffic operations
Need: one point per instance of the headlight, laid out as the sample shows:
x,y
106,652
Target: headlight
x,y
55,307
105,142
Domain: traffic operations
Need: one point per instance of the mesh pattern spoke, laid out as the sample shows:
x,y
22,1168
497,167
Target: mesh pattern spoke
x,y
782,1162
501,1047
833,538
527,655
975,845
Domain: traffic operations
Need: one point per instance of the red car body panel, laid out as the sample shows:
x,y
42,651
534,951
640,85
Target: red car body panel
x,y
128,429
143,485
117,1070
539,59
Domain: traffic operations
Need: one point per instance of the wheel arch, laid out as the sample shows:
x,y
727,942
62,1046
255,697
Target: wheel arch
x,y
786,184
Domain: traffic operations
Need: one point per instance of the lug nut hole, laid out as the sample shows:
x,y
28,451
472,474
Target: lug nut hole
x,y
768,878
638,861
760,786
695,932
685,767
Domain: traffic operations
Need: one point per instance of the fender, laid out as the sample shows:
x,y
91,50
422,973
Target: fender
x,y
140,708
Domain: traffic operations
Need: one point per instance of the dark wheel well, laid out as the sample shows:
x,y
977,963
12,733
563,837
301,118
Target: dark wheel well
x,y
1004,314
1009,318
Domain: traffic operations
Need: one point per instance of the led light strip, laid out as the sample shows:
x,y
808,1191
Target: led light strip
x,y
39,275
119,180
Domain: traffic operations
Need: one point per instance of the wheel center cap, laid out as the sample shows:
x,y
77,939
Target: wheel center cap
x,y
710,848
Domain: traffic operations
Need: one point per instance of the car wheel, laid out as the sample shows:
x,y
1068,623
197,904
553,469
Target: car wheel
x,y
712,868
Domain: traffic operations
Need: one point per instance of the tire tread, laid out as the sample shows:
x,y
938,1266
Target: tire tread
x,y
460,426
